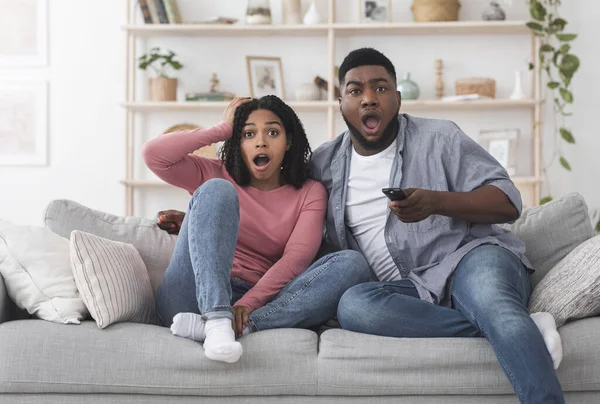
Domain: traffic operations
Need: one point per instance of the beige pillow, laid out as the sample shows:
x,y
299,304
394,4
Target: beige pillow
x,y
112,280
571,290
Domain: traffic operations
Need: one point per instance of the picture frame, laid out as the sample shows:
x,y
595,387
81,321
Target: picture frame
x,y
265,76
503,145
375,11
24,33
24,123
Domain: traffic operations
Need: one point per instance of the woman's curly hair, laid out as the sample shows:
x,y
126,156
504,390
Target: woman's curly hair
x,y
295,161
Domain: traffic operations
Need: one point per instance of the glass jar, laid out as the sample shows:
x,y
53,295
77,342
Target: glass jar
x,y
258,12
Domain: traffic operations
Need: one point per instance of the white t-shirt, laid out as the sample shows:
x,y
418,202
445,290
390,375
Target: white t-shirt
x,y
367,209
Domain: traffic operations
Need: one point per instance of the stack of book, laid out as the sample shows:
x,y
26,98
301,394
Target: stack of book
x,y
160,11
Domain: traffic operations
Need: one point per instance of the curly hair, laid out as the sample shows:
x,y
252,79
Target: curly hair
x,y
295,161
365,57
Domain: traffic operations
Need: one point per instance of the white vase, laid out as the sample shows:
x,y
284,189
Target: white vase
x,y
312,16
518,93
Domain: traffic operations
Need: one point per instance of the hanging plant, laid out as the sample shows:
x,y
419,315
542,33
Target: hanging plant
x,y
558,64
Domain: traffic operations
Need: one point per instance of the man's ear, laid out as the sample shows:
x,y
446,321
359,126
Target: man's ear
x,y
399,95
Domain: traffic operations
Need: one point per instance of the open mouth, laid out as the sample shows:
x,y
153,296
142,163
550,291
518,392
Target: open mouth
x,y
371,122
261,160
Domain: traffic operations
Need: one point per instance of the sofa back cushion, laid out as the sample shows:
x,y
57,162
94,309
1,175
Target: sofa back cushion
x,y
154,245
551,231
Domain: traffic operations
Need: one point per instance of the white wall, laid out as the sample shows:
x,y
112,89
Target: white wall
x,y
86,125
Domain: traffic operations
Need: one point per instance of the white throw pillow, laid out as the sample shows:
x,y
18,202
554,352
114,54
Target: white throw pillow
x,y
571,290
112,280
35,265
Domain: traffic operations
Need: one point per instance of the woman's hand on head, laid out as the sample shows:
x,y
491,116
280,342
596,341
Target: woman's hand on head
x,y
230,110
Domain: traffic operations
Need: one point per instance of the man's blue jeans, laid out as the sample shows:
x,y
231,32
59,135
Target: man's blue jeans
x,y
490,292
198,279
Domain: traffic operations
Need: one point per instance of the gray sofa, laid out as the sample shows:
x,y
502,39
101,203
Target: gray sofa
x,y
44,362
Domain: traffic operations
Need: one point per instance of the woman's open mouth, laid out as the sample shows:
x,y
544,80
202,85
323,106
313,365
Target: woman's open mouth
x,y
261,162
371,122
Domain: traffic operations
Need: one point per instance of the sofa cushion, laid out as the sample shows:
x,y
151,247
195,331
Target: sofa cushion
x,y
154,245
42,357
358,364
35,266
551,231
571,290
112,280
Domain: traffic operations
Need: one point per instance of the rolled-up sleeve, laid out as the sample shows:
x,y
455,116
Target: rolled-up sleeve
x,y
469,166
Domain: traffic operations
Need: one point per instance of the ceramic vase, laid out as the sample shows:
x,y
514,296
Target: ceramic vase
x,y
409,90
312,16
494,12
518,93
258,12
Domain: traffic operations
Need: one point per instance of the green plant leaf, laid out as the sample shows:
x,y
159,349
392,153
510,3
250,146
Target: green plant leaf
x,y
537,10
531,66
546,48
566,95
565,79
569,65
558,24
567,135
597,228
565,163
535,26
545,199
566,37
564,49
553,84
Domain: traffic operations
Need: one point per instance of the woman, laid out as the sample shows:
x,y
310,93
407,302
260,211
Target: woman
x,y
253,227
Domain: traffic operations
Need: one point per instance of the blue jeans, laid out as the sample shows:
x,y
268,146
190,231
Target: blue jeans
x,y
198,279
490,293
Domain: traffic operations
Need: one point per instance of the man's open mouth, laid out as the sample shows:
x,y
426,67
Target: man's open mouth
x,y
261,160
371,122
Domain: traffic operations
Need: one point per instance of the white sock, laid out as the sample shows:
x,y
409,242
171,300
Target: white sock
x,y
220,343
189,325
246,331
545,322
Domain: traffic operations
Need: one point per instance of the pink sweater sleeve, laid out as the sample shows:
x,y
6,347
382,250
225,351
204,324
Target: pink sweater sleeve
x,y
299,252
169,156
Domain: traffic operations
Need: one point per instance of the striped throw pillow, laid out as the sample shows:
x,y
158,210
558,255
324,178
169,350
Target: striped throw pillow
x,y
112,280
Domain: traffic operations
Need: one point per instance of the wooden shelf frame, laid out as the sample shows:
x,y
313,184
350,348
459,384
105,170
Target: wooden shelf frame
x,y
331,30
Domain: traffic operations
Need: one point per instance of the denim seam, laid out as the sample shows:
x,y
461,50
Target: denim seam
x,y
512,377
324,267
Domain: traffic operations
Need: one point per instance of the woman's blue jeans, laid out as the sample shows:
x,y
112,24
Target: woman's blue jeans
x,y
198,279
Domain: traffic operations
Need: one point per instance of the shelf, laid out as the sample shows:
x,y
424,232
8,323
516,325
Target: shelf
x,y
407,105
161,184
225,30
212,105
343,29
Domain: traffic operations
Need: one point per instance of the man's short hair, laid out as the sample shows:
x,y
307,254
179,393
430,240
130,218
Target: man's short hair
x,y
365,57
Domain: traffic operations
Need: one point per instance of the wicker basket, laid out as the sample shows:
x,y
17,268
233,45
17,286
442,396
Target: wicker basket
x,y
435,10
476,85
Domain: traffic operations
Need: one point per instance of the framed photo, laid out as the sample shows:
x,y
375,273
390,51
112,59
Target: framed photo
x,y
24,123
23,33
265,76
375,11
503,146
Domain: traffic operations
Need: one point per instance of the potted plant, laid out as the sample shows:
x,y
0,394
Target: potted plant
x,y
162,87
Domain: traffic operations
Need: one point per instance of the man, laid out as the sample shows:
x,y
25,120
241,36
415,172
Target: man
x,y
444,268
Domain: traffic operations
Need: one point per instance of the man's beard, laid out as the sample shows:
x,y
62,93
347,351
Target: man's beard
x,y
390,132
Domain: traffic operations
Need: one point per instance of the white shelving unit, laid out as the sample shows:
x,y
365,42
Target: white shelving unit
x,y
331,30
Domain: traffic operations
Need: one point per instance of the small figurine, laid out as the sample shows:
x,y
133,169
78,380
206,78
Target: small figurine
x,y
214,83
494,12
